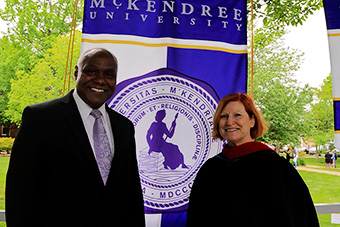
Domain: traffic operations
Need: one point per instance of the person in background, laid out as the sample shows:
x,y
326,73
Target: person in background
x,y
334,158
288,153
74,161
328,159
296,156
248,183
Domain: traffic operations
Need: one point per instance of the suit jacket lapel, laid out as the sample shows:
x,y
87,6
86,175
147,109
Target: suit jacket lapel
x,y
119,147
116,132
75,122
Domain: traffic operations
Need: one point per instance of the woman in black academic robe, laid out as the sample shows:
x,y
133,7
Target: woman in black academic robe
x,y
248,184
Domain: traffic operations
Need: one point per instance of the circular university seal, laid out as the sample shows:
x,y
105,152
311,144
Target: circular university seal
x,y
173,119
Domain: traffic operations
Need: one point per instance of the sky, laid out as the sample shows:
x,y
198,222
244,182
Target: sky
x,y
311,38
3,25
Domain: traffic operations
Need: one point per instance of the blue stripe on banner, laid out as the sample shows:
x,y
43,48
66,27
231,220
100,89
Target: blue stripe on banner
x,y
336,105
174,219
332,9
332,13
225,72
202,20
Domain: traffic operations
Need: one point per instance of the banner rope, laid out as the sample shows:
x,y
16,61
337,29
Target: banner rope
x,y
68,69
252,48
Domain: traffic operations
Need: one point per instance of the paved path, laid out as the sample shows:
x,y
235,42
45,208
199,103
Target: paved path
x,y
315,169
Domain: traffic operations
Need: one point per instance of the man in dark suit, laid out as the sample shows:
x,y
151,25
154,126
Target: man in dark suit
x,y
53,177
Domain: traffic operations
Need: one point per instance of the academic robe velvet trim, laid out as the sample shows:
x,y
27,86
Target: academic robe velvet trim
x,y
243,149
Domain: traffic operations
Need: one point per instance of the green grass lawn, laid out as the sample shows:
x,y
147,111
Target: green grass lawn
x,y
324,188
3,170
311,160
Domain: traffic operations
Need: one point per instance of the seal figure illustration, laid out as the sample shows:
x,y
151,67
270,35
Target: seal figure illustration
x,y
172,114
173,157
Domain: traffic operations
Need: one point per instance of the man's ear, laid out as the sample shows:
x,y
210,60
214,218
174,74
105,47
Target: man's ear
x,y
76,73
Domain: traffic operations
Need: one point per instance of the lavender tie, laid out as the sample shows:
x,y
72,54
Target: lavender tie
x,y
101,145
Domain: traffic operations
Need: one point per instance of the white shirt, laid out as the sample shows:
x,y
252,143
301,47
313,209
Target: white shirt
x,y
88,120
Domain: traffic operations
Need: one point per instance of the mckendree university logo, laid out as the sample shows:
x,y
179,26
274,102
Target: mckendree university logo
x,y
208,14
172,115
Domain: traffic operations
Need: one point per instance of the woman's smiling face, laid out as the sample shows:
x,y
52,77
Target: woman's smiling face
x,y
235,124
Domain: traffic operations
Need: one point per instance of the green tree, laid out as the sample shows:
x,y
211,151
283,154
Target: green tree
x,y
13,58
35,24
283,102
322,113
45,81
277,14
